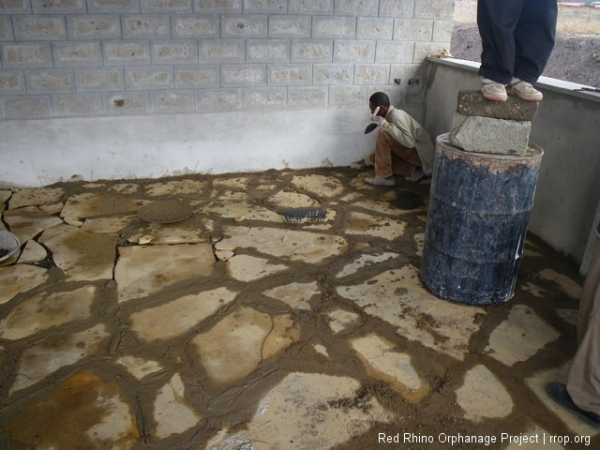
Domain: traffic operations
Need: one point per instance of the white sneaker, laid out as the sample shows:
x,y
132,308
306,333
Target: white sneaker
x,y
493,91
417,175
524,90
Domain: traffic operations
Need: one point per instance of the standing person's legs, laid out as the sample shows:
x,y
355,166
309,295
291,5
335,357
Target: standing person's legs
x,y
497,21
581,395
534,38
583,382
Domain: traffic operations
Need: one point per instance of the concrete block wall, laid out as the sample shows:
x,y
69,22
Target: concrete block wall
x,y
86,58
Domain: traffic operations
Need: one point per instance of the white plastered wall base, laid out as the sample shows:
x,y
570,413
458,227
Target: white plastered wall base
x,y
42,152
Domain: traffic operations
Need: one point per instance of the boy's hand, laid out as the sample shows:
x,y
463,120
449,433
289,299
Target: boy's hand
x,y
375,118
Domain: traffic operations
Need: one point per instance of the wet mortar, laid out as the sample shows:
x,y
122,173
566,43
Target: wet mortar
x,y
30,417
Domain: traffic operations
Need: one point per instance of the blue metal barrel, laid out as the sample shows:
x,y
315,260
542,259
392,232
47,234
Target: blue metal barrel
x,y
479,211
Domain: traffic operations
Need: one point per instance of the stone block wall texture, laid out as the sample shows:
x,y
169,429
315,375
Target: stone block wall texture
x,y
81,58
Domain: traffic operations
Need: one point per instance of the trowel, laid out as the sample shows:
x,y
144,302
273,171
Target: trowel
x,y
370,128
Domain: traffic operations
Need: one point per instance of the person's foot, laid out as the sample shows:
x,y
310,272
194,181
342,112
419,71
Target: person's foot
x,y
494,91
376,181
558,392
524,90
417,175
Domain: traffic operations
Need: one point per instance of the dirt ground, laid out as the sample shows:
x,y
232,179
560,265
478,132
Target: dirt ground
x,y
576,54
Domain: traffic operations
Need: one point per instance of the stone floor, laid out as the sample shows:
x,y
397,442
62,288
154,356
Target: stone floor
x,y
233,329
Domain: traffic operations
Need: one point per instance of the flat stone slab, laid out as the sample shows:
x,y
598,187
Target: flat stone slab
x,y
5,194
46,423
82,256
234,347
29,221
369,225
240,183
286,244
44,311
177,317
365,261
321,350
144,270
175,187
340,319
296,295
520,336
292,200
486,135
483,396
569,315
172,414
125,188
320,185
473,103
569,286
224,255
359,184
35,197
306,411
39,361
108,224
52,209
90,204
378,207
403,302
386,364
239,205
183,232
138,367
534,289
251,268
20,278
33,252
165,211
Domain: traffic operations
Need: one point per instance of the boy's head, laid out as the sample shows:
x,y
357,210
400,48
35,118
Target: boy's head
x,y
381,100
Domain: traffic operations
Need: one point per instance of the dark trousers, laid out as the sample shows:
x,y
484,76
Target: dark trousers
x,y
517,37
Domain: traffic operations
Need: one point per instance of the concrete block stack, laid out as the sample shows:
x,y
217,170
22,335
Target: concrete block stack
x,y
98,57
482,126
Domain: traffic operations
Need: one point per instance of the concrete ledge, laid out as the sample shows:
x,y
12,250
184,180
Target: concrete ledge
x,y
544,83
